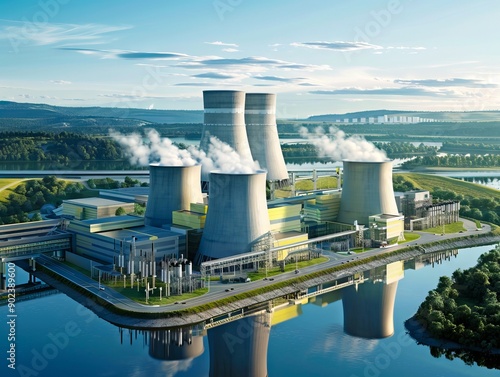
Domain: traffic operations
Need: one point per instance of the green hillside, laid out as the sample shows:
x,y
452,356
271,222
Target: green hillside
x,y
433,182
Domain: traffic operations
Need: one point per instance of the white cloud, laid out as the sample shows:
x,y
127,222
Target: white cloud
x,y
219,43
54,33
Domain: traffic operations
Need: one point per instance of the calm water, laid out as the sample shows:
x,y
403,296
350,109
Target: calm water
x,y
58,337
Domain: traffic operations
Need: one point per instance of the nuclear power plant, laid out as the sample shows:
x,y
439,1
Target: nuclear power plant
x,y
262,131
237,220
171,188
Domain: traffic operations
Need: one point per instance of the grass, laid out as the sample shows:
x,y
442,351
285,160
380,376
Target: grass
x,y
467,189
154,297
448,228
308,185
288,268
410,237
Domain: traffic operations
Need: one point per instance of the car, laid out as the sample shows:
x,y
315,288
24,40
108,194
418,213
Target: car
x,y
228,290
232,288
271,279
296,271
248,280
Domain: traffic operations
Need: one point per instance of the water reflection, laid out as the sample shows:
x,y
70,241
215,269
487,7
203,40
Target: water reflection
x,y
369,307
239,348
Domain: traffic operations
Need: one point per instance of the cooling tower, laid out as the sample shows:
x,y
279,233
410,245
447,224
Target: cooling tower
x,y
367,190
237,218
171,188
239,348
369,309
175,344
225,119
260,119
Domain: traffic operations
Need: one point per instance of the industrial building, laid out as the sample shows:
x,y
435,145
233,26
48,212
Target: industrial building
x,y
93,208
421,213
104,240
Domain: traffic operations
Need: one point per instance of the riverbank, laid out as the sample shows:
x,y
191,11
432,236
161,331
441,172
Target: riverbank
x,y
161,318
419,332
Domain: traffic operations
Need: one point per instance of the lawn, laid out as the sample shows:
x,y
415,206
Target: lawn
x,y
288,268
448,228
154,297
307,185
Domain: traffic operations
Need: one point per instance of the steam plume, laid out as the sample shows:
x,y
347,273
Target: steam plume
x,y
154,148
338,147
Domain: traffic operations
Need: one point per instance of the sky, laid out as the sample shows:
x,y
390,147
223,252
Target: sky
x,y
318,56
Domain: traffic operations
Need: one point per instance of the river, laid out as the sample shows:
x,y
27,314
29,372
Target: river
x,y
56,336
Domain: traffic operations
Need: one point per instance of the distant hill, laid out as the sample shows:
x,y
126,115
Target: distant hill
x,y
15,110
451,116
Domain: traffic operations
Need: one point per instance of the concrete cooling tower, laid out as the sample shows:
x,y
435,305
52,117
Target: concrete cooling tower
x,y
239,348
171,188
260,119
237,217
367,190
369,309
224,118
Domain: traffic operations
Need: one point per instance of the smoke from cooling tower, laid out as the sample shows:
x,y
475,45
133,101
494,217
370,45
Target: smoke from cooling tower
x,y
222,157
337,146
155,149
143,151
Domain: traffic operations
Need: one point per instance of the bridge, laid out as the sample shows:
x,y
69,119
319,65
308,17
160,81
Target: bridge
x,y
29,240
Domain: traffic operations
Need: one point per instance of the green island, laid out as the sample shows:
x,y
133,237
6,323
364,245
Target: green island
x,y
463,312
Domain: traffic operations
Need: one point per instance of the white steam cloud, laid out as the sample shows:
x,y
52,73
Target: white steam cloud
x,y
155,149
337,146
221,156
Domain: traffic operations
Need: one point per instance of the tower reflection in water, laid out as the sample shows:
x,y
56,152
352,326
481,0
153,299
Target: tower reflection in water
x,y
239,348
369,307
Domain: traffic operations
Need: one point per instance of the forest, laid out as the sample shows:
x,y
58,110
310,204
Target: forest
x,y
466,308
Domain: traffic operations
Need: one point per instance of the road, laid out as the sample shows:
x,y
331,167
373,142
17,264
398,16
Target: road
x,y
220,291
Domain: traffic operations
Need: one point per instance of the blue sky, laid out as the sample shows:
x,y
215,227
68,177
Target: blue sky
x,y
319,56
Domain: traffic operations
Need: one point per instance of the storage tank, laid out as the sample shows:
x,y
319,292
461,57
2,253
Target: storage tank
x,y
171,188
367,190
262,132
237,218
224,118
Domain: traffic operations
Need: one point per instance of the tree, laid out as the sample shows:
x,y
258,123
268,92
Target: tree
x,y
120,211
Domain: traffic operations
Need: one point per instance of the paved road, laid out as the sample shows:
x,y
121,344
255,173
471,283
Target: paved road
x,y
218,290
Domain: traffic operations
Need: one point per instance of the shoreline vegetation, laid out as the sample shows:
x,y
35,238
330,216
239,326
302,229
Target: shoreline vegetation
x,y
463,312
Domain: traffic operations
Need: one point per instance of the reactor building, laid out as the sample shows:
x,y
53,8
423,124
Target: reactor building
x,y
262,131
171,188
